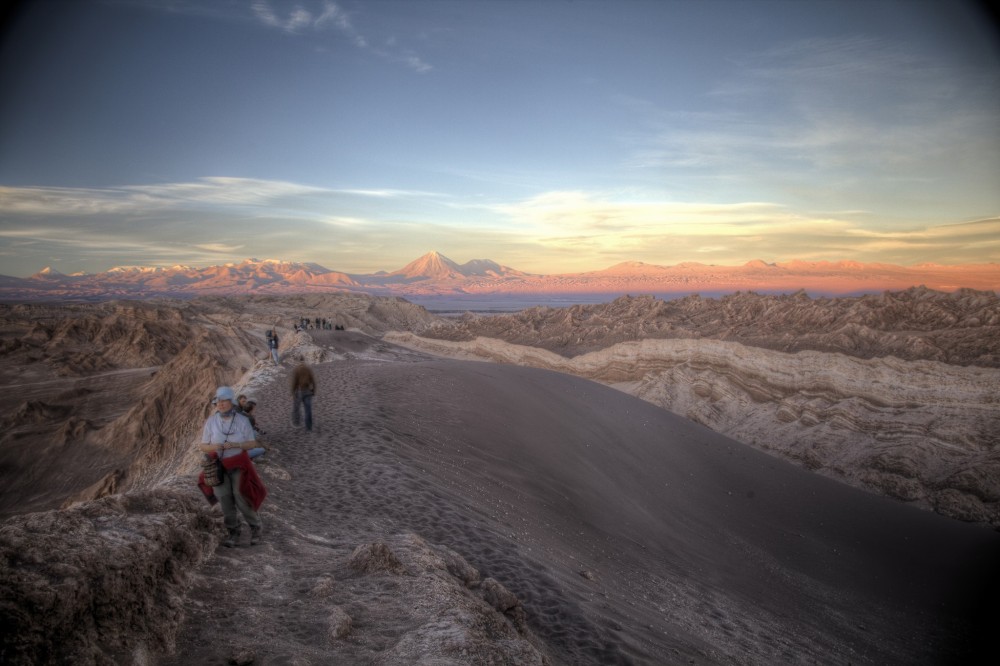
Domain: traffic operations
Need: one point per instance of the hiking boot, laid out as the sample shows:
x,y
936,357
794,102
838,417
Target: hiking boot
x,y
255,534
231,539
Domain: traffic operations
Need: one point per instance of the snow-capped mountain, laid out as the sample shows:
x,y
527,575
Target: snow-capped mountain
x,y
433,266
436,266
48,273
435,275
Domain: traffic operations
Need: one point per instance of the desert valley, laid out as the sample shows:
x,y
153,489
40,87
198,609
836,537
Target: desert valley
x,y
749,478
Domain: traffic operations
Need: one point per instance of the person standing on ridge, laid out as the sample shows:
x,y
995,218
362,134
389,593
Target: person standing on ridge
x,y
303,389
272,344
228,435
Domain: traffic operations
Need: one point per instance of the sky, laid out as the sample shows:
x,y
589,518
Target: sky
x,y
553,136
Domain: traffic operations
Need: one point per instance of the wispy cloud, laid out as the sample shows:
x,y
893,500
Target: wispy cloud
x,y
213,191
828,118
390,193
304,18
213,220
329,15
667,231
581,211
100,249
220,248
416,63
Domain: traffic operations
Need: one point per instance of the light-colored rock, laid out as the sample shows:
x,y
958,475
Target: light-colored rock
x,y
340,623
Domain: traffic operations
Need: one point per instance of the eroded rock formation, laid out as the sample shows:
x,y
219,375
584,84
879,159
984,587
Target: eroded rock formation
x,y
102,582
961,328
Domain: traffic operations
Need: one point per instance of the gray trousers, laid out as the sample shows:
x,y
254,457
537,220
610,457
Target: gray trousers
x,y
230,499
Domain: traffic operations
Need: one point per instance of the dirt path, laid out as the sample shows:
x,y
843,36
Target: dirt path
x,y
331,490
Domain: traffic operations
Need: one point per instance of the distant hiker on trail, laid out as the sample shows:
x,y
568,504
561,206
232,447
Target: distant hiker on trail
x,y
303,389
228,434
272,344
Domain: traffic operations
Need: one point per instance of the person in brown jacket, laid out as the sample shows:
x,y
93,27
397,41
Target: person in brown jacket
x,y
303,389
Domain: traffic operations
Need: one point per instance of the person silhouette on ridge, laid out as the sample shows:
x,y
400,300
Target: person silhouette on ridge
x,y
303,389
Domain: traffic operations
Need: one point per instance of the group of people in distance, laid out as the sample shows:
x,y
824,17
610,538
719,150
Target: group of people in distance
x,y
230,435
319,322
301,325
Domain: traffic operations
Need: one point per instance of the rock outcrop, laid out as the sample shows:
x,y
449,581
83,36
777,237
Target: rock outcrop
x,y
101,583
455,617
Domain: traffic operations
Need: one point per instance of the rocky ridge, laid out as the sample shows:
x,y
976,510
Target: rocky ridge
x,y
74,361
105,579
103,582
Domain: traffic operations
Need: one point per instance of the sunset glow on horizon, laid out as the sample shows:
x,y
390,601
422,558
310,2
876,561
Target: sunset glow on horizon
x,y
550,137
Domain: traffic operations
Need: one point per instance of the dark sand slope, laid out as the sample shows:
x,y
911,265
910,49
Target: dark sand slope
x,y
630,535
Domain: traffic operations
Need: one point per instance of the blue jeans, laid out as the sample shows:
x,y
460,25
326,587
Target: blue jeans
x,y
274,355
256,451
303,400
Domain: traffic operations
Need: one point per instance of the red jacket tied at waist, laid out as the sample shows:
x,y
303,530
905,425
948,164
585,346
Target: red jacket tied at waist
x,y
251,485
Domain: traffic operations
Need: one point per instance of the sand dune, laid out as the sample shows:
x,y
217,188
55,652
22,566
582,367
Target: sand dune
x,y
919,431
896,393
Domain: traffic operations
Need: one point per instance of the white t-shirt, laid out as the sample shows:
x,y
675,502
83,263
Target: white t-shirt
x,y
219,430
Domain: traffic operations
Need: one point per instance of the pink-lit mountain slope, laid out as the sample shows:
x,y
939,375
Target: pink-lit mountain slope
x,y
249,276
436,275
435,266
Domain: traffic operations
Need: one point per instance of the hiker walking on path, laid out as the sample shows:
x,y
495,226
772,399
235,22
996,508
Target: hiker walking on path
x,y
228,434
303,389
272,344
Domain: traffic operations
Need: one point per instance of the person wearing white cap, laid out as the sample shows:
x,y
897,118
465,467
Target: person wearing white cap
x,y
228,434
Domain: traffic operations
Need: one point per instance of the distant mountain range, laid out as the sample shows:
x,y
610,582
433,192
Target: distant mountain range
x,y
434,275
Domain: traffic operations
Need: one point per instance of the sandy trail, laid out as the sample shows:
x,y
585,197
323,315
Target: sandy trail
x,y
629,534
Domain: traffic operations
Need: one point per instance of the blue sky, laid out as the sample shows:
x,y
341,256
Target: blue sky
x,y
550,136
